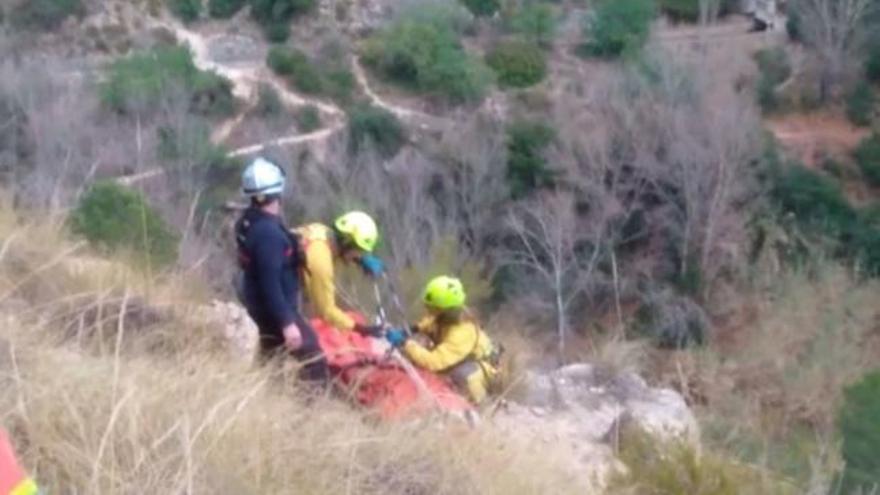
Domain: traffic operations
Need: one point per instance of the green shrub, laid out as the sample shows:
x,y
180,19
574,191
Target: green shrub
x,y
618,27
861,435
269,104
137,82
872,63
368,125
186,10
681,10
774,68
296,67
426,56
517,64
536,22
860,104
44,15
482,8
656,467
275,15
339,85
224,9
867,156
527,169
277,32
816,201
308,119
113,217
793,26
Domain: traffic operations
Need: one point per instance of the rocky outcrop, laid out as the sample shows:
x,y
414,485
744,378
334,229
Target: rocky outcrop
x,y
586,410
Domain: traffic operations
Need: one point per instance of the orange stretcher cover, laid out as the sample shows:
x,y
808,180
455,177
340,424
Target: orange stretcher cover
x,y
364,367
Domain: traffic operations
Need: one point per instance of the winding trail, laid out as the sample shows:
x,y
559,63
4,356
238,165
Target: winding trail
x,y
246,79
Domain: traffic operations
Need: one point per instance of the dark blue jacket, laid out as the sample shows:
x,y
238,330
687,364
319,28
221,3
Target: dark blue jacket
x,y
269,256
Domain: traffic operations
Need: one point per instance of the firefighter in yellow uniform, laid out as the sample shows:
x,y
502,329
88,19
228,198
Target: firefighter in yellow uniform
x,y
458,347
352,238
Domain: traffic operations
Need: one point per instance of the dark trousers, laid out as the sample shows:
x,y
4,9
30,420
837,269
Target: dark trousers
x,y
271,345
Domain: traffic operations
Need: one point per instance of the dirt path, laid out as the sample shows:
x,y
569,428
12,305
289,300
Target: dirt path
x,y
246,79
814,136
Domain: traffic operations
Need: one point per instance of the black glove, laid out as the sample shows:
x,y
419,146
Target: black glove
x,y
370,330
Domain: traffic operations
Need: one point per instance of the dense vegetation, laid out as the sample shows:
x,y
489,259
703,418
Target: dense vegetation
x,y
134,84
425,55
618,27
517,64
44,15
370,126
225,9
113,217
186,10
329,78
861,437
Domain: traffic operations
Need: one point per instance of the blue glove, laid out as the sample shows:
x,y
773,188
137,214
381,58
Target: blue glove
x,y
372,265
396,337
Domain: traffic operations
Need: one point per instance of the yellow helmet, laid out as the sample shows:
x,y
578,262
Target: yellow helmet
x,y
444,293
360,228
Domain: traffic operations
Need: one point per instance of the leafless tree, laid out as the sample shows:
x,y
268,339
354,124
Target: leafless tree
x,y
556,253
835,29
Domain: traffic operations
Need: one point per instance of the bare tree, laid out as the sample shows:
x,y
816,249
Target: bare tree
x,y
835,29
555,254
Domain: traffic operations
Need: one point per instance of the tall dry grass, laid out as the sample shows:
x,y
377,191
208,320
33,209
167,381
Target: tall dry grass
x,y
769,388
101,398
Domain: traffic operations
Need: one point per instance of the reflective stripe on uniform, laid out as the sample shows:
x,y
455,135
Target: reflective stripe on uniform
x,y
26,487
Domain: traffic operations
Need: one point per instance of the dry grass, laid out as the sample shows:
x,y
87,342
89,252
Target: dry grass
x,y
133,406
769,388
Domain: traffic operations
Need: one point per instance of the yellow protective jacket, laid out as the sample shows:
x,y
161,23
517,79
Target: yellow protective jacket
x,y
318,279
453,344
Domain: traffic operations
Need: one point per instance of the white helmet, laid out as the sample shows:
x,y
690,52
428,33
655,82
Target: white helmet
x,y
262,177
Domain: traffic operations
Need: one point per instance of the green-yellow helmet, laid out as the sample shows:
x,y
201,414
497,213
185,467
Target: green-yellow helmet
x,y
444,293
360,228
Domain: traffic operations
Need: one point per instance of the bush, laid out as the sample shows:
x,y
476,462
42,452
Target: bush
x,y
527,169
224,9
867,156
672,321
681,10
308,119
113,217
376,126
277,32
872,63
44,15
860,104
425,55
793,26
482,8
296,67
136,83
618,27
339,85
860,435
774,68
816,201
269,104
307,77
536,22
517,63
186,10
275,15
